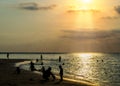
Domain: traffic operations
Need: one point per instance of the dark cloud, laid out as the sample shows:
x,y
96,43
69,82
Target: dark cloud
x,y
116,31
117,9
91,35
35,6
83,11
110,17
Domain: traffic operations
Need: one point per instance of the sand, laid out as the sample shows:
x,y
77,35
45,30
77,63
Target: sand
x,y
9,77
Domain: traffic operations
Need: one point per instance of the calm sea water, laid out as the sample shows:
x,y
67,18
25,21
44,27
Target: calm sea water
x,y
103,69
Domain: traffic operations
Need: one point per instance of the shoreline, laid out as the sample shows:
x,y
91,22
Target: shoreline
x,y
28,78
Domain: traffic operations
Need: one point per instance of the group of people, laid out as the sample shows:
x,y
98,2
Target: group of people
x,y
46,74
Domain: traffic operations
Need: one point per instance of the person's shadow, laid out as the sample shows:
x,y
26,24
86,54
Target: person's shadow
x,y
58,82
43,81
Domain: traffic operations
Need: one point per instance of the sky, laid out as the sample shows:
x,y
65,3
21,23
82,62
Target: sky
x,y
60,26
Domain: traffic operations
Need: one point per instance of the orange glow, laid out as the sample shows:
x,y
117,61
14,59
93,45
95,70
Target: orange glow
x,y
86,1
84,5
86,55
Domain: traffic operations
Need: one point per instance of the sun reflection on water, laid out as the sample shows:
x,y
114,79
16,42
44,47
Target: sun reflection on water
x,y
85,55
84,65
99,68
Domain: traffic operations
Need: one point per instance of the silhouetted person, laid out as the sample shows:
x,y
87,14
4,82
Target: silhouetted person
x,y
37,60
102,60
48,73
61,73
59,58
41,57
41,63
32,68
18,70
7,55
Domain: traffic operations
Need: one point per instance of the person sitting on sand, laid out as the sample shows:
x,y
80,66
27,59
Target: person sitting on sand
x,y
48,73
18,70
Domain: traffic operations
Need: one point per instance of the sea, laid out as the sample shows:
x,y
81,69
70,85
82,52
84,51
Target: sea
x,y
100,68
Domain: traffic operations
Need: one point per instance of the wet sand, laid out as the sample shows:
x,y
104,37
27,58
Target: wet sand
x,y
9,77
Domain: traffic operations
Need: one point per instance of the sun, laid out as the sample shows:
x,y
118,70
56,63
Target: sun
x,y
85,4
86,1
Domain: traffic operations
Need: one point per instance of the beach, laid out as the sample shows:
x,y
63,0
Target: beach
x,y
9,77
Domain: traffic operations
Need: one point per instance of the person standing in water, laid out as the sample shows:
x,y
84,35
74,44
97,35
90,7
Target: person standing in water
x,y
41,57
61,73
7,55
59,58
32,68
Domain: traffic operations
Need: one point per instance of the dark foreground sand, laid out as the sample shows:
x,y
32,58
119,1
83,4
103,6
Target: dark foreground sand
x,y
8,77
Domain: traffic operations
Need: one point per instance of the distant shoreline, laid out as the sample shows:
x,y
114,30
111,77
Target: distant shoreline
x,y
34,52
56,52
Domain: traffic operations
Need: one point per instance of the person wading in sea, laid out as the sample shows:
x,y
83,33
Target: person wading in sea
x,y
7,55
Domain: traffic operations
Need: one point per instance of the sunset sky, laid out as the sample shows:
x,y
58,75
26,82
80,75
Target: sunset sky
x,y
59,25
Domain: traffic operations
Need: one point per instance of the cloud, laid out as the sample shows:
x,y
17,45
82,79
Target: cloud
x,y
117,9
35,6
91,35
110,17
83,11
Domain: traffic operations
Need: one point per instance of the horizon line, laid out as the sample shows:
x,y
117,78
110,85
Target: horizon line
x,y
54,52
